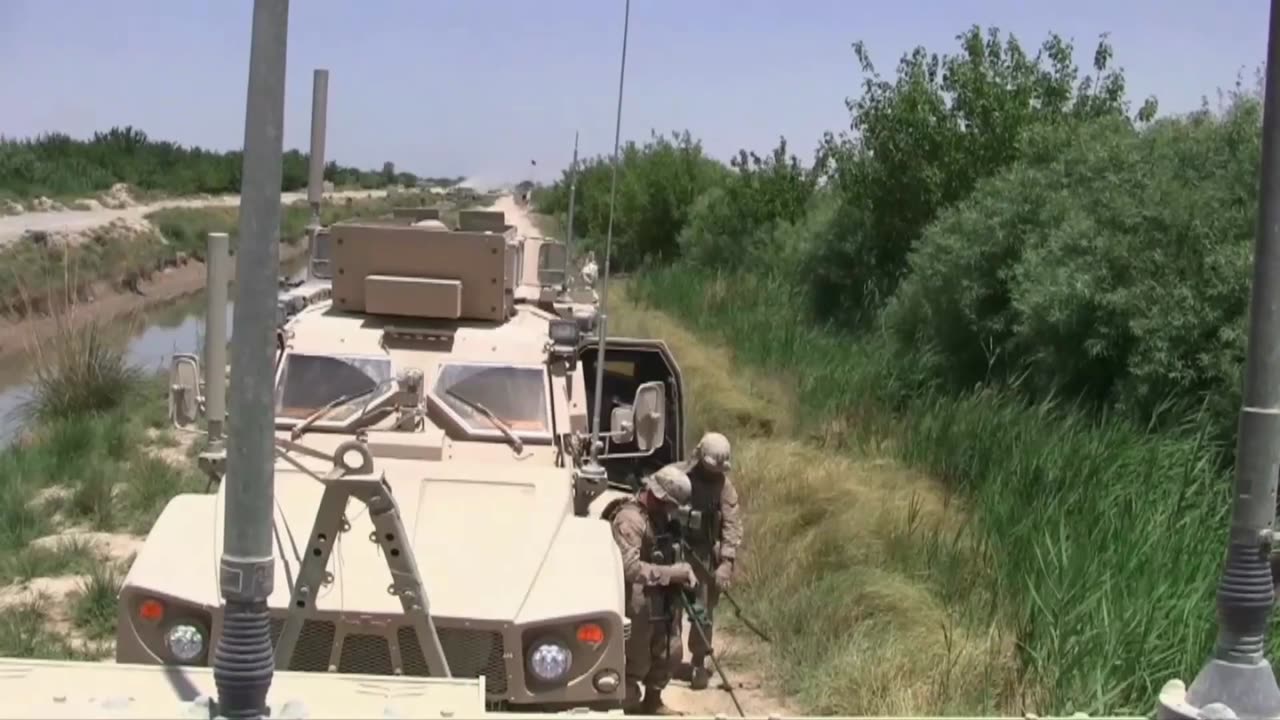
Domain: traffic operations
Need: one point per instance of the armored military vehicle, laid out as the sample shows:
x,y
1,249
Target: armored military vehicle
x,y
445,361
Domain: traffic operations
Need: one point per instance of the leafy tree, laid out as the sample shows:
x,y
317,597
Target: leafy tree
x,y
732,223
922,141
657,185
56,164
1108,264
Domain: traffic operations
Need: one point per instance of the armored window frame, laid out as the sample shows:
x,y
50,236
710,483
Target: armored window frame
x,y
386,371
470,431
547,273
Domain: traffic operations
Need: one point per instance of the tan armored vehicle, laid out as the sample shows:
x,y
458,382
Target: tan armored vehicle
x,y
450,383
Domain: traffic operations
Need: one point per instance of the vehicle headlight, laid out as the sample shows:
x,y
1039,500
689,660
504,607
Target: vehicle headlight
x,y
550,660
185,641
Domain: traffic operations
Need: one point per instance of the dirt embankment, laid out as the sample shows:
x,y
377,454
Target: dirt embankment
x,y
114,217
106,301
119,204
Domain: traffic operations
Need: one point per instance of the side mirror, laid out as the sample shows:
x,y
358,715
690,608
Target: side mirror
x,y
622,424
184,390
649,416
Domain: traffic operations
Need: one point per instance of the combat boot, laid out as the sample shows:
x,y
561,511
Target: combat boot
x,y
699,676
653,705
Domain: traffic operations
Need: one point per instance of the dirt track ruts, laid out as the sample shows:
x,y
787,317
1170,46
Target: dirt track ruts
x,y
12,227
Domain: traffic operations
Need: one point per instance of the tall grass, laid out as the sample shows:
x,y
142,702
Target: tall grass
x,y
78,371
1098,543
853,564
81,463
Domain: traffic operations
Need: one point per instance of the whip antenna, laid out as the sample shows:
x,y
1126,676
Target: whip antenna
x,y
608,247
590,479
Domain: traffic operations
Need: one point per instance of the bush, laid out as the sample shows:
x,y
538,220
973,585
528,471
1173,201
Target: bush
x,y
1104,539
657,185
81,370
1116,270
923,141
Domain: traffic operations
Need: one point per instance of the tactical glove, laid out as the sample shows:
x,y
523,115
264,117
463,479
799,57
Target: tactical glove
x,y
724,575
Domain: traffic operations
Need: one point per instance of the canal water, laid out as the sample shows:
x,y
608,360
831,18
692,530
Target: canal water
x,y
158,333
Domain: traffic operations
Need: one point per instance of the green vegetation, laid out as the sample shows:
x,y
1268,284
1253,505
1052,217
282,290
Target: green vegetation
x,y
1008,279
57,165
88,463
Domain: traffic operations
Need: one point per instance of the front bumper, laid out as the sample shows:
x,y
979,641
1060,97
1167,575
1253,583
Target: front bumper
x,y
362,644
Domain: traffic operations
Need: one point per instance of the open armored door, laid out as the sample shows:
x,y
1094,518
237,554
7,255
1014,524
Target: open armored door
x,y
642,414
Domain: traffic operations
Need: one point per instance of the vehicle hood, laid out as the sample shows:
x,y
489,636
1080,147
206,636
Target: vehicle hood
x,y
481,533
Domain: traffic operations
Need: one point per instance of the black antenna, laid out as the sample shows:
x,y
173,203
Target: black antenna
x,y
608,247
568,233
1238,681
591,478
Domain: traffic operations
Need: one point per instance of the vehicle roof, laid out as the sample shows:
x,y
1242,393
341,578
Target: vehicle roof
x,y
521,339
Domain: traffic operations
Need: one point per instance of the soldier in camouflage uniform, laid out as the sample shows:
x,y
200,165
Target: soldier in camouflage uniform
x,y
715,545
639,523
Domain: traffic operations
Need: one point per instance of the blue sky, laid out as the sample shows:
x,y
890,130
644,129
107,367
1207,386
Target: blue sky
x,y
481,88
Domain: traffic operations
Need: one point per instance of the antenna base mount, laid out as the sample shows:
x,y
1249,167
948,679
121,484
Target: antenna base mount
x,y
1222,690
589,481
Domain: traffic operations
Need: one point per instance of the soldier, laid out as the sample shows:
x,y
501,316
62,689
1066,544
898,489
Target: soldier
x,y
640,524
714,544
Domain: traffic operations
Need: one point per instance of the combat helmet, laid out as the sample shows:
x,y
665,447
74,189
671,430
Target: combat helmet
x,y
713,452
670,485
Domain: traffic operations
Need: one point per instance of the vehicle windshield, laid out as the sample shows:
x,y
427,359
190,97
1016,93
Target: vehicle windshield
x,y
309,382
516,395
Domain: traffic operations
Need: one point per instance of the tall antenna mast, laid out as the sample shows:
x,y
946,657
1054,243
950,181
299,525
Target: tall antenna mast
x,y
315,178
1237,679
590,479
573,191
608,247
242,660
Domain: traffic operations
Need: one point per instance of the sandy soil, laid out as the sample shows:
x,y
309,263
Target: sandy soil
x,y
13,226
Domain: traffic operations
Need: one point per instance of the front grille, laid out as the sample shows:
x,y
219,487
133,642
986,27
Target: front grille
x,y
471,653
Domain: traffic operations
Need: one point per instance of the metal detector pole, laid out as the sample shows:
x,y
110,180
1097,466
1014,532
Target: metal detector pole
x,y
243,664
1238,675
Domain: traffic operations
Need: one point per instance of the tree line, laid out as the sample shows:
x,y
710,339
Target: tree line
x,y
58,165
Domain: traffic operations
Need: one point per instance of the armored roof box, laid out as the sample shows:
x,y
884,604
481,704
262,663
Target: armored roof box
x,y
424,272
482,220
416,214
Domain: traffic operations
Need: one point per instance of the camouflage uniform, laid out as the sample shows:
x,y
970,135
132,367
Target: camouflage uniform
x,y
715,545
654,648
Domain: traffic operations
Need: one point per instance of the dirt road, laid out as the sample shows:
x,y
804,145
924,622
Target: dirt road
x,y
13,226
516,215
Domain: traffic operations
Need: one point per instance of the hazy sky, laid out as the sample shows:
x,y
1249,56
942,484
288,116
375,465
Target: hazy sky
x,y
481,88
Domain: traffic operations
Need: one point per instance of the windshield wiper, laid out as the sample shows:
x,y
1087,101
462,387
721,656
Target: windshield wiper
x,y
311,419
516,443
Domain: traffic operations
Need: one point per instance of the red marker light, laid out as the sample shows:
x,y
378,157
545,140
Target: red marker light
x,y
151,610
590,634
